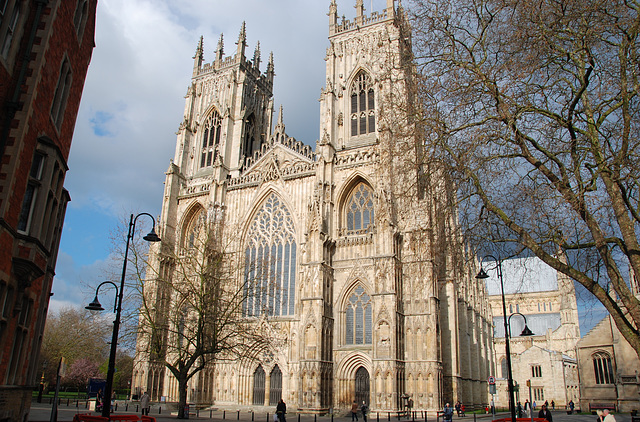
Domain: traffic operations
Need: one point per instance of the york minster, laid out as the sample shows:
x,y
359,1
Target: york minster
x,y
375,297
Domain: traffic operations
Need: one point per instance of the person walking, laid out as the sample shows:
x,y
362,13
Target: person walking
x,y
99,401
144,403
364,411
447,414
571,406
281,411
527,408
354,411
545,413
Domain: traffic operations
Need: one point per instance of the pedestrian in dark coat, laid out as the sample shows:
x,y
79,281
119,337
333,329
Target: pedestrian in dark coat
x,y
281,410
545,413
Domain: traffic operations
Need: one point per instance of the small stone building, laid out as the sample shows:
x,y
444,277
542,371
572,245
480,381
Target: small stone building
x,y
547,299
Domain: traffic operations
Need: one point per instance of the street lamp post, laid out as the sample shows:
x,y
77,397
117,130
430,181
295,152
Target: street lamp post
x,y
526,332
95,306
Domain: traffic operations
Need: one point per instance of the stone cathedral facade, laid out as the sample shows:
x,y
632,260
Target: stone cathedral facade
x,y
377,297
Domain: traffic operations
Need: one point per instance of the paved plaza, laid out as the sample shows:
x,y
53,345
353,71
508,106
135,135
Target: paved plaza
x,y
41,412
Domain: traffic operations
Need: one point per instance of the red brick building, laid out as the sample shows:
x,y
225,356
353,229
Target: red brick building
x,y
45,50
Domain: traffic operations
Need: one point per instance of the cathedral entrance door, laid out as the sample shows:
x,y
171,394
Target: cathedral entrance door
x,y
258,386
275,386
362,385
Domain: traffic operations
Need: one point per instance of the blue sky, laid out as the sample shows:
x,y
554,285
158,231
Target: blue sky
x,y
133,102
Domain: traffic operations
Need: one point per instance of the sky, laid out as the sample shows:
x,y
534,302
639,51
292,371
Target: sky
x,y
133,102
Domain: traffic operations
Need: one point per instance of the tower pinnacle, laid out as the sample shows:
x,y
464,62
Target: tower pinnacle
x,y
242,40
256,57
198,56
220,49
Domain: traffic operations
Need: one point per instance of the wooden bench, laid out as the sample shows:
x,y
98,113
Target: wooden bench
x,y
601,406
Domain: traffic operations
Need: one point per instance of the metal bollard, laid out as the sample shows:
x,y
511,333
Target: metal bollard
x,y
331,416
377,416
298,417
126,407
315,418
238,415
224,414
159,410
267,416
252,415
388,416
136,408
210,413
197,412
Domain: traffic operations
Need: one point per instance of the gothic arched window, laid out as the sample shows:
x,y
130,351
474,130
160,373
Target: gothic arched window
x,y
503,368
249,137
194,228
602,368
363,113
210,139
270,261
358,210
358,317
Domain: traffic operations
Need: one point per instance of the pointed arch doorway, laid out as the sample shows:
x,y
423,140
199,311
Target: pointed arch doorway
x,y
362,385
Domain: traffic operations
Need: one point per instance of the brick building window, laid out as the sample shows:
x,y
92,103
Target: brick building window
x,y
19,351
80,17
62,93
538,394
31,194
9,17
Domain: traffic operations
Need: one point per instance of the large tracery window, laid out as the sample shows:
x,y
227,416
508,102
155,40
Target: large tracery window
x,y
363,114
270,262
358,318
359,210
210,139
603,368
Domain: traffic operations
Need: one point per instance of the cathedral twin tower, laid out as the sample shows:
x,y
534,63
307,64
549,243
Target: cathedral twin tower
x,y
375,301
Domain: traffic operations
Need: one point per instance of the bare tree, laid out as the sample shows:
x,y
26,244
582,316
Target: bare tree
x,y
533,106
192,306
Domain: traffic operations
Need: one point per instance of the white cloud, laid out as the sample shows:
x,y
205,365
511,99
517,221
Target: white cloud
x,y
133,101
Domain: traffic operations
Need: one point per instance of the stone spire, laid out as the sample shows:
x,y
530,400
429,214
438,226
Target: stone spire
x,y
220,49
359,11
256,57
280,125
390,8
242,40
199,56
270,67
333,15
